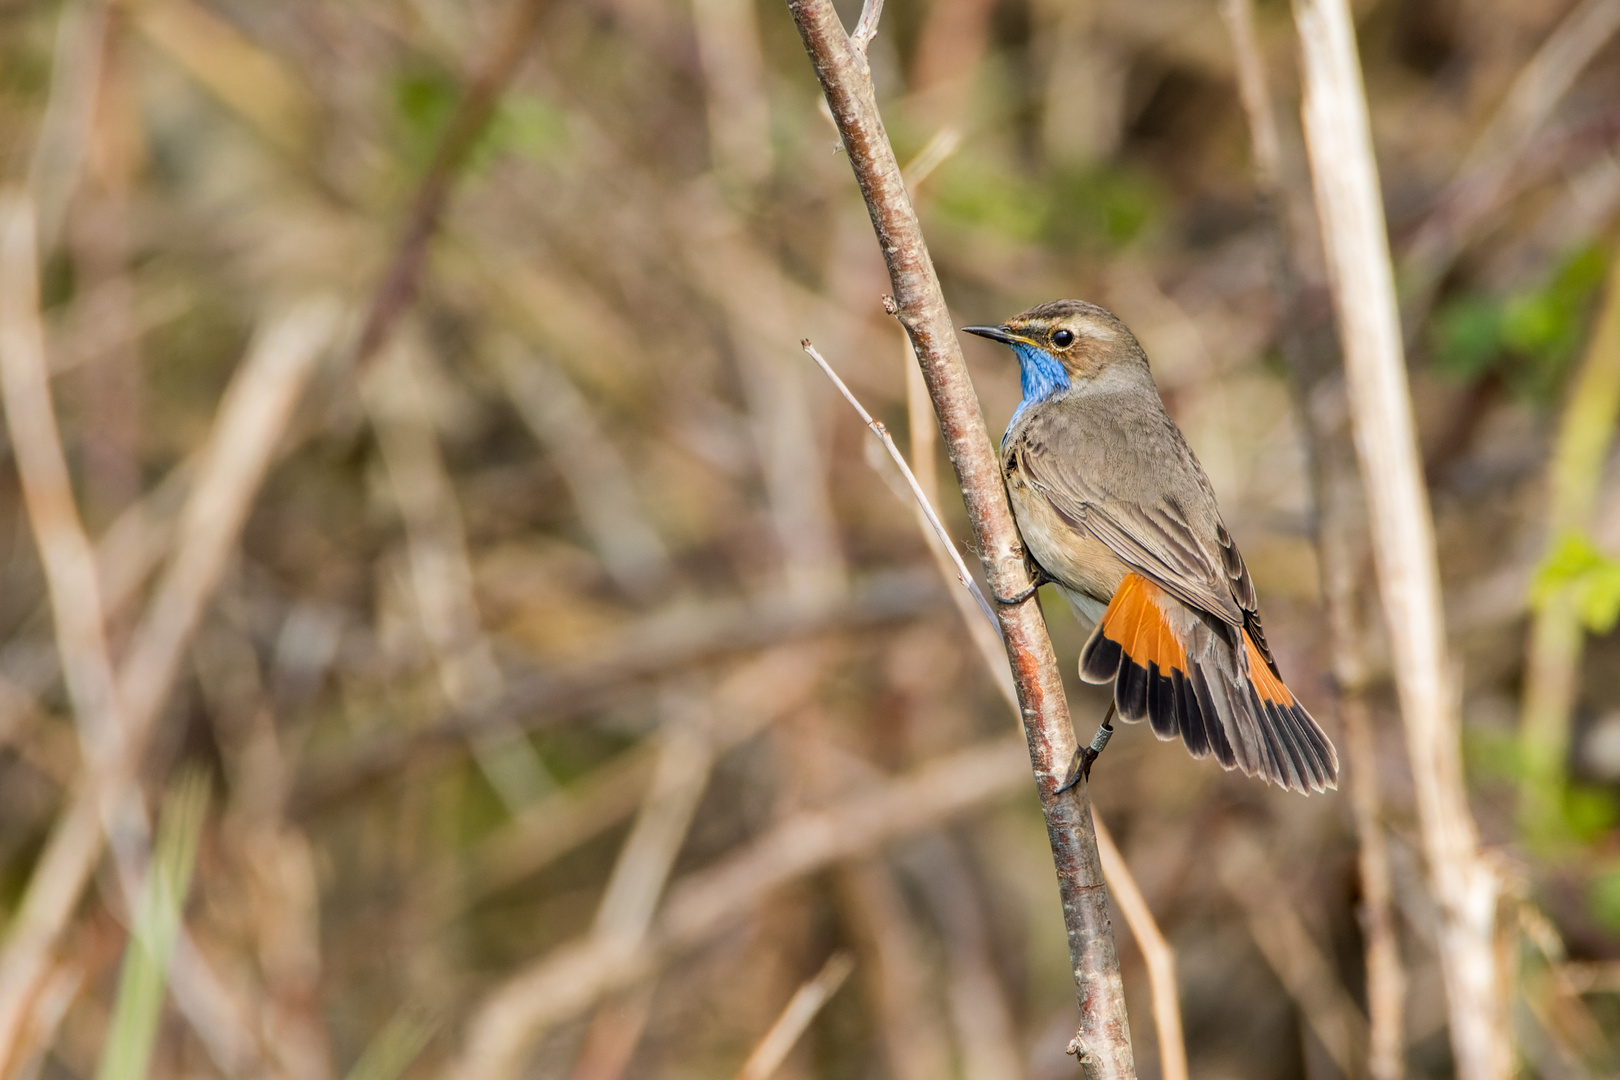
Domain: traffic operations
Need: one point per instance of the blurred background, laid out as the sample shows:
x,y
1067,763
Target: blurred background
x,y
581,685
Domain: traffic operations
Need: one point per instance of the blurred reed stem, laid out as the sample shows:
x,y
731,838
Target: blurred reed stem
x,y
1349,205
1557,636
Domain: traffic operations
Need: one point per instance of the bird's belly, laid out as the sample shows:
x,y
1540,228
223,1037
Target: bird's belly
x,y
1084,566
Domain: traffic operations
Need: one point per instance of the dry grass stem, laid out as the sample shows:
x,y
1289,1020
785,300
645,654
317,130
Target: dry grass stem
x,y
66,127
745,702
986,1032
70,570
614,1033
1255,93
795,1017
1350,206
685,757
251,418
65,550
923,504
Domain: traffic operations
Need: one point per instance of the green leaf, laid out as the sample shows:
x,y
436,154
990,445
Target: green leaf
x,y
133,1030
424,101
1603,896
977,191
1099,209
1467,334
392,1049
1591,577
527,126
1589,812
1528,337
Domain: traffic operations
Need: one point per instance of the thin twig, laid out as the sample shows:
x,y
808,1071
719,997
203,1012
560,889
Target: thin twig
x,y
1350,208
796,1017
927,508
866,27
1102,1043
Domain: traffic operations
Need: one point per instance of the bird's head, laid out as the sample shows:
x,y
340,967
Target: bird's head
x,y
1068,344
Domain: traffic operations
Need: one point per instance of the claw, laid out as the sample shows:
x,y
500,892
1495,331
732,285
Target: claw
x,y
1080,767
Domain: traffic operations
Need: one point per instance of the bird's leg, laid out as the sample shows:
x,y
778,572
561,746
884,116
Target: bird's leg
x,y
1038,577
1080,767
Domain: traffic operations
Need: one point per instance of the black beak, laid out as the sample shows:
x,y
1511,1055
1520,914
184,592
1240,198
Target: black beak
x,y
994,333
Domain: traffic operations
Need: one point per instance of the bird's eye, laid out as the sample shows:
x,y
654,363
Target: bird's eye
x,y
1063,338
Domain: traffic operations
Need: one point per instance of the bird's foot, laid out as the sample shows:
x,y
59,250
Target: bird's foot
x,y
1080,767
1010,601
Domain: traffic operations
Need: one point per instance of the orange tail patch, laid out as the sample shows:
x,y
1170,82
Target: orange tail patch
x,y
1135,648
1268,686
1301,755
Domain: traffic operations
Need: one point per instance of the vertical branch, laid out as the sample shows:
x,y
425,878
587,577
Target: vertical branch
x,y
1315,375
1103,1040
1350,206
1160,956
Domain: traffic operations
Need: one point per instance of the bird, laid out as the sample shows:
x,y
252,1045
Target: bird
x,y
1116,511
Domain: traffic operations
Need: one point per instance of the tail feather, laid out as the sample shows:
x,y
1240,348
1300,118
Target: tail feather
x,y
1211,683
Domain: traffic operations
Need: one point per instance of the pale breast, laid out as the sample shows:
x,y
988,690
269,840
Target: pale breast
x,y
1070,555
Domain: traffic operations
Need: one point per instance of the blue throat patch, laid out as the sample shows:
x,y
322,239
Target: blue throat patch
x,y
1041,376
